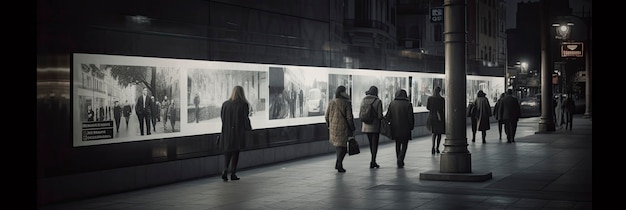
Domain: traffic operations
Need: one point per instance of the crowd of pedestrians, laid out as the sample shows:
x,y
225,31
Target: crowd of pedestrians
x,y
340,121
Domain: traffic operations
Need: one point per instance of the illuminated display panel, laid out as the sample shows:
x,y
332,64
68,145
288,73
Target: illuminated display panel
x,y
279,95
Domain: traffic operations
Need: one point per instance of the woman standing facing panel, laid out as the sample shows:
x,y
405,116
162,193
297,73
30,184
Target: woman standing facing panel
x,y
235,116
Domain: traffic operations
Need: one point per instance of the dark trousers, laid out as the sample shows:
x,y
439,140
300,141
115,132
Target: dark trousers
x,y
474,127
501,124
373,140
144,122
231,158
117,123
510,127
341,153
154,120
197,110
401,148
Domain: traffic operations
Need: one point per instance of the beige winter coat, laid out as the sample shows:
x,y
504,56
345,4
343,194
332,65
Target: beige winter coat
x,y
340,121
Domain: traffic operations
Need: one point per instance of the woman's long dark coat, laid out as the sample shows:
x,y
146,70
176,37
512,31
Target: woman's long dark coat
x,y
235,124
436,114
483,112
400,114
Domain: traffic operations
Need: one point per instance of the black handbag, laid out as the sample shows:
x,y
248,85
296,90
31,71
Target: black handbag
x,y
385,128
353,146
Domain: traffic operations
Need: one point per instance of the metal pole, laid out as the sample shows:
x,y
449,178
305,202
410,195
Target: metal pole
x,y
588,69
455,157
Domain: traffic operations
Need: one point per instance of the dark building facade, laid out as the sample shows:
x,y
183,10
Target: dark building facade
x,y
524,46
372,34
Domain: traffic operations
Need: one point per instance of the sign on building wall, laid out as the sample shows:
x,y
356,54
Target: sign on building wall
x,y
571,49
436,14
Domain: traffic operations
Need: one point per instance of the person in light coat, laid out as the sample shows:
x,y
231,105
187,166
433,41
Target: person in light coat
x,y
340,122
372,130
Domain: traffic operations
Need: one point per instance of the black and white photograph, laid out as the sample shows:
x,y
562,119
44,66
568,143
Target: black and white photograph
x,y
336,80
492,86
124,102
422,87
208,88
297,92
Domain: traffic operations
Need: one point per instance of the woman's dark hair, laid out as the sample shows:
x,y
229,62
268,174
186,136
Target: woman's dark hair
x,y
238,94
339,90
372,91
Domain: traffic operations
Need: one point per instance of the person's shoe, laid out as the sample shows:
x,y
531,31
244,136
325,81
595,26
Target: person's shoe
x,y
374,165
484,141
234,177
341,170
438,151
224,176
473,140
433,151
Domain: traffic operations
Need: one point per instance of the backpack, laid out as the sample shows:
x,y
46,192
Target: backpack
x,y
368,114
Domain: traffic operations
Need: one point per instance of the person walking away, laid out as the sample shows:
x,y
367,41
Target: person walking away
x,y
165,105
400,114
471,113
172,114
436,117
301,102
372,129
235,115
340,122
483,112
569,107
154,110
510,112
142,109
127,111
117,115
196,103
293,95
499,116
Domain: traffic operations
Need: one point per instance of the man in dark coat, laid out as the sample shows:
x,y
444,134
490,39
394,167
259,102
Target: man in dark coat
x,y
510,112
127,110
117,114
154,108
143,109
400,114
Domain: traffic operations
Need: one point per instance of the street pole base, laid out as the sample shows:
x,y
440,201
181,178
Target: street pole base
x,y
546,126
456,162
460,177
